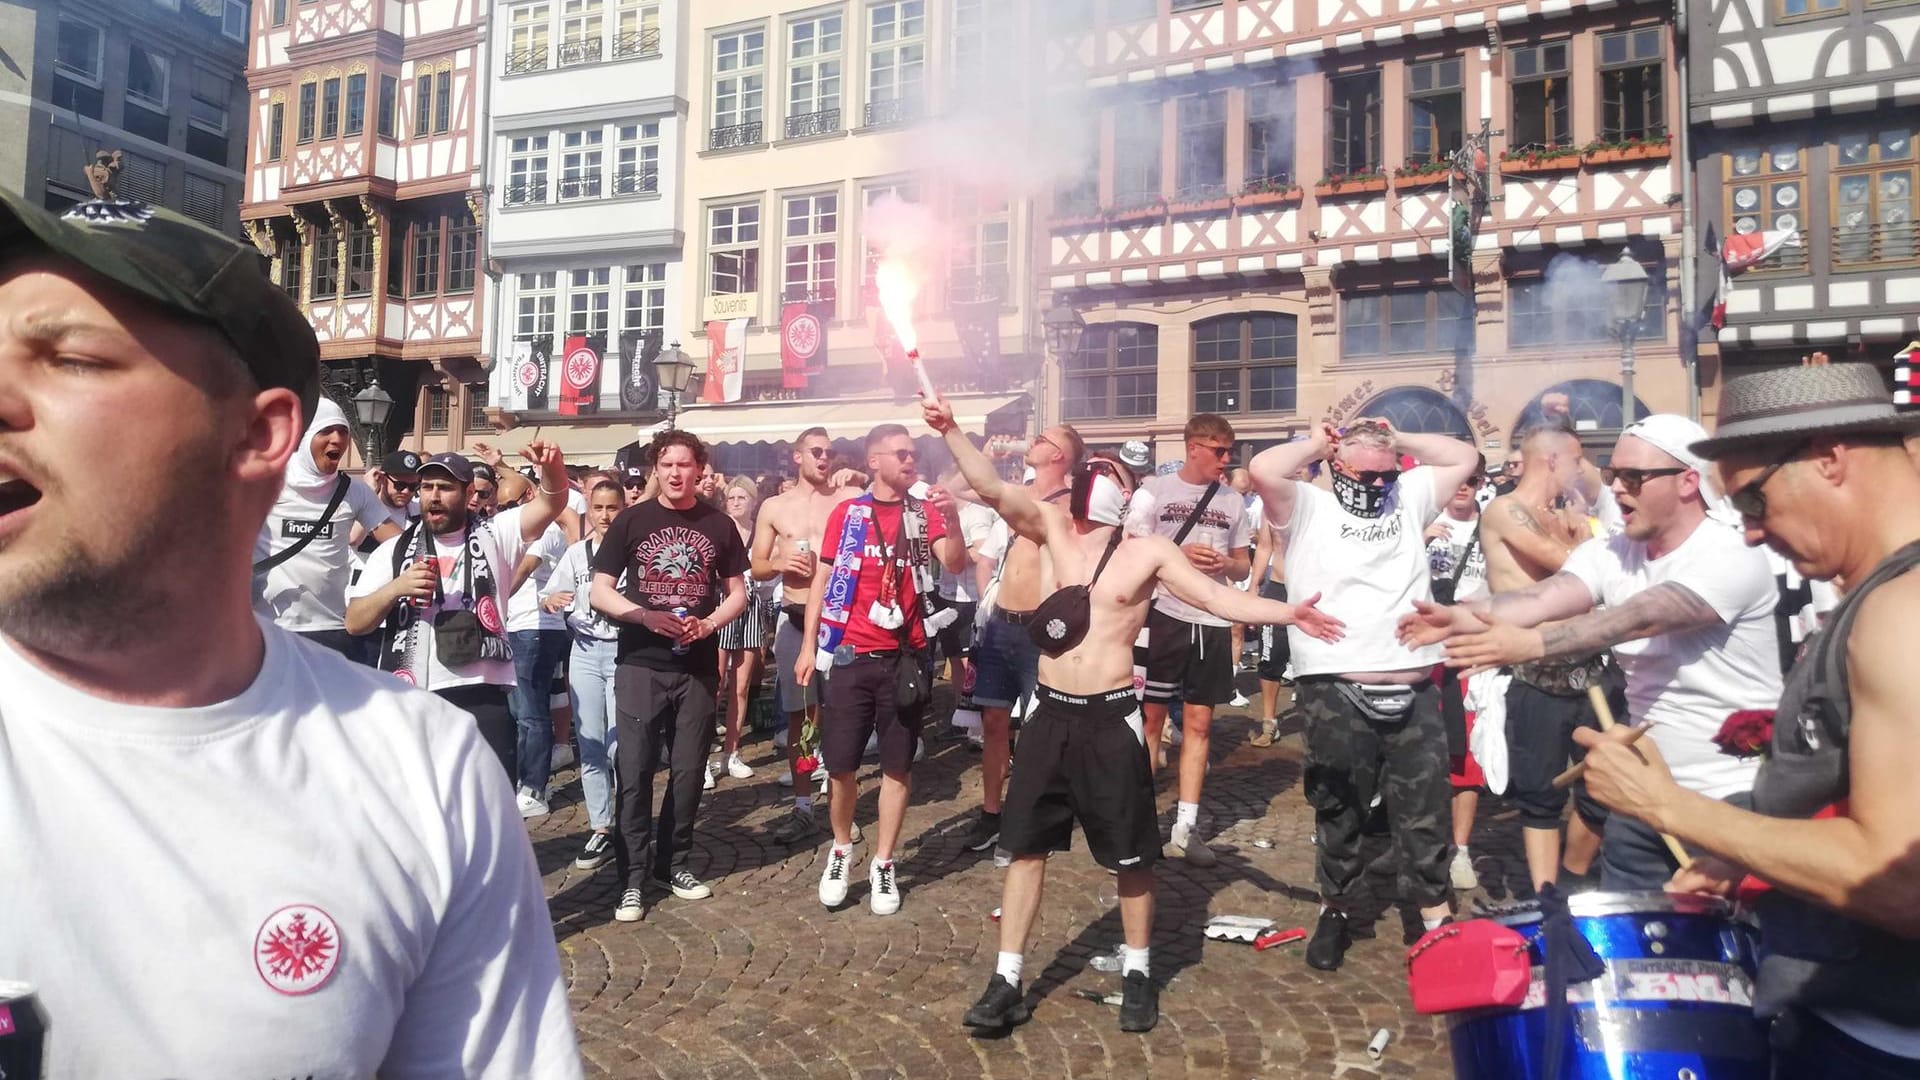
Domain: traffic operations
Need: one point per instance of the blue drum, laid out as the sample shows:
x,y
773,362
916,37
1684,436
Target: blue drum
x,y
1676,1002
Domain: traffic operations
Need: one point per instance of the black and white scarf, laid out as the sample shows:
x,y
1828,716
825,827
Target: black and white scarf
x,y
400,640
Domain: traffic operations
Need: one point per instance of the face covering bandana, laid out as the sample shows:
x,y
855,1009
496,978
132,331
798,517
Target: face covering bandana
x,y
1358,499
1097,496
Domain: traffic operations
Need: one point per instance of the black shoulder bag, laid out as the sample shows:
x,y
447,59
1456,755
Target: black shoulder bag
x,y
295,548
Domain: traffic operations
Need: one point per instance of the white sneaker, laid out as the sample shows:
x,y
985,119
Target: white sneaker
x,y
712,769
738,769
562,757
780,739
856,832
786,778
531,805
884,899
1461,871
833,880
920,751
873,746
1239,700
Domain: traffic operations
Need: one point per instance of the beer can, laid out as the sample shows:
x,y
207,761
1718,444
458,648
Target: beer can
x,y
23,1032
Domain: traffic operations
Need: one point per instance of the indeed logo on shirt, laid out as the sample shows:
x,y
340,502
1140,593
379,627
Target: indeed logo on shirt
x,y
294,530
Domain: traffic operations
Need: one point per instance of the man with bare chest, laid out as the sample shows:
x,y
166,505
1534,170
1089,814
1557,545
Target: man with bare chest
x,y
1006,660
786,543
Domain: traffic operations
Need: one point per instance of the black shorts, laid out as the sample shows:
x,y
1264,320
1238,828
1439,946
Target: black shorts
x,y
1083,758
858,702
1274,650
956,638
1188,660
1540,745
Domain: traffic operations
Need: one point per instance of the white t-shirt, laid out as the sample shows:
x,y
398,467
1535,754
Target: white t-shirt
x,y
309,591
1686,684
577,501
574,574
523,610
165,870
500,541
976,521
1369,571
1443,557
1161,505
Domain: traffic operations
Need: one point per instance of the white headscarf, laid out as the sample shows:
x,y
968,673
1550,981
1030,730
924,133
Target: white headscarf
x,y
303,472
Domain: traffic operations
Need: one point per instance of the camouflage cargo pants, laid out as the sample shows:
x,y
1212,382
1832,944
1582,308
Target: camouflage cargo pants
x,y
1351,756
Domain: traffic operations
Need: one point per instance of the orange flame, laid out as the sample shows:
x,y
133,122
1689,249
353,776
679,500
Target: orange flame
x,y
898,290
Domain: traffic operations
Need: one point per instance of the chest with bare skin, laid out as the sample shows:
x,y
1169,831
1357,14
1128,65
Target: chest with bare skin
x,y
1508,568
1022,580
801,515
1104,658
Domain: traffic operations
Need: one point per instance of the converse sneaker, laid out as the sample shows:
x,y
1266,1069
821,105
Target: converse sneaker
x,y
629,909
738,769
1001,1007
686,886
798,827
1139,1002
884,897
1330,941
595,855
1461,871
531,805
833,880
984,834
1184,843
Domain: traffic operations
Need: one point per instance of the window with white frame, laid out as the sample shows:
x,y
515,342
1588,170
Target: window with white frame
x,y
582,31
814,73
643,304
983,245
78,60
733,248
871,197
580,163
589,300
527,170
536,296
896,60
636,161
148,75
812,250
739,88
636,28
983,31
207,116
233,20
528,30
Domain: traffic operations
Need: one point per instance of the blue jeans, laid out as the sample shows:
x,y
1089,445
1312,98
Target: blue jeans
x,y
590,681
536,656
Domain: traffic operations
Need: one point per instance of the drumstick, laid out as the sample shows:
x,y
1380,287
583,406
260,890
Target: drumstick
x,y
1605,712
1578,770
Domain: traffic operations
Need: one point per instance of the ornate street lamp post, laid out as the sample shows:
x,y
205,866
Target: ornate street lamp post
x,y
673,368
372,406
1626,282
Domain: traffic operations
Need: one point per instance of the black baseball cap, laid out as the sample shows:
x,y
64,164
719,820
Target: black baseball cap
x,y
187,268
634,476
453,465
401,463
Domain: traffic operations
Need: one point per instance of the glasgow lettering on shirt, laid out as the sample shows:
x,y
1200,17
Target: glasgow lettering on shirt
x,y
1373,532
294,530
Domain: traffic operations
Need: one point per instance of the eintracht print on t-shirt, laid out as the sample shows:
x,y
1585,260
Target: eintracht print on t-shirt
x,y
675,564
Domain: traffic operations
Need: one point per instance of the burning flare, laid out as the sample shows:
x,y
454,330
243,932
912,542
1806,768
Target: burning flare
x,y
898,290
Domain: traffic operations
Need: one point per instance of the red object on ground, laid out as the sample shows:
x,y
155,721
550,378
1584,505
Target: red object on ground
x,y
1279,937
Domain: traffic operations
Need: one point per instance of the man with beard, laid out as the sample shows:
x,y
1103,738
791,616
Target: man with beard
x,y
1372,707
1688,612
1083,754
332,879
438,592
869,618
786,544
1006,662
302,563
683,563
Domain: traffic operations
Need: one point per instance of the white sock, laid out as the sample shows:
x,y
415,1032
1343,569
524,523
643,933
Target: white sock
x,y
1008,966
1432,924
803,804
1464,852
1187,814
1132,960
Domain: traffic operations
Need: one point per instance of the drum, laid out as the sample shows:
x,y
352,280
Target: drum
x,y
1676,1002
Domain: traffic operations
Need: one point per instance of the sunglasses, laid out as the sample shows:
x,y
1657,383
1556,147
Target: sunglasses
x,y
1372,477
818,453
1219,452
1750,502
632,485
1631,479
404,485
906,457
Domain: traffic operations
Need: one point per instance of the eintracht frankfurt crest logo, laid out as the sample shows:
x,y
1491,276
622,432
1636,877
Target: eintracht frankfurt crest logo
x,y
529,373
297,949
803,335
583,367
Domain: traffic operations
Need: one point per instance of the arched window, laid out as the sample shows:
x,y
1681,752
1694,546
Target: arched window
x,y
1592,404
1420,411
1246,364
1113,375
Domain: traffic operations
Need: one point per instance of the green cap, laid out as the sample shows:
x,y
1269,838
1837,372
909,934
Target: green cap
x,y
185,267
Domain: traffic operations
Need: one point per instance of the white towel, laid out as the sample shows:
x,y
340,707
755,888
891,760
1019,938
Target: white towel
x,y
1487,698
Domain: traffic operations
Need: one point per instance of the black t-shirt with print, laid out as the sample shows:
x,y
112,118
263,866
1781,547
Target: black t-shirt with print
x,y
672,559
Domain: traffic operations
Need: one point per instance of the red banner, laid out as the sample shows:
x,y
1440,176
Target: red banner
x,y
803,345
579,376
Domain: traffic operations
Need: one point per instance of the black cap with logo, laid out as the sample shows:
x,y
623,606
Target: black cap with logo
x,y
187,268
404,464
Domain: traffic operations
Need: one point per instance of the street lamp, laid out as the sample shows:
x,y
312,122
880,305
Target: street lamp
x,y
1064,326
673,368
372,406
1626,282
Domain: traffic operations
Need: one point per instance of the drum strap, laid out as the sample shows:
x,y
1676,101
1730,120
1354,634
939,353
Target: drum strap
x,y
1569,959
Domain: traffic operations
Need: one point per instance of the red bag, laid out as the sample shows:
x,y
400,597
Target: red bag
x,y
1468,965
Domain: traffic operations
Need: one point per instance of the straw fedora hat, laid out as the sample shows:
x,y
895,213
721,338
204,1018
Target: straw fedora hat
x,y
1787,404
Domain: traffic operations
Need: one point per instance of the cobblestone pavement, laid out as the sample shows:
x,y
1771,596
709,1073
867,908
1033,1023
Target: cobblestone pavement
x,y
761,981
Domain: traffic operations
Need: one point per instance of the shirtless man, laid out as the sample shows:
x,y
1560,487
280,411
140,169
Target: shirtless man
x,y
1004,661
1083,753
1527,535
786,542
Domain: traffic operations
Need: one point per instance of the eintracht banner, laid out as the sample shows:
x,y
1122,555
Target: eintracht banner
x,y
726,356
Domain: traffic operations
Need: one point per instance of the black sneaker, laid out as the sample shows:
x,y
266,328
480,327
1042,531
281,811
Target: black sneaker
x,y
984,834
595,855
686,886
1139,1002
1330,941
798,827
1002,1006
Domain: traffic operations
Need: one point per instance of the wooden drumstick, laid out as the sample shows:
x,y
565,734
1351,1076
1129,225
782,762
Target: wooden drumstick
x,y
1605,712
1575,772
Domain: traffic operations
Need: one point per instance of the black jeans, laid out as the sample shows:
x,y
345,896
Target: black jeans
x,y
656,710
1633,857
1806,1047
488,707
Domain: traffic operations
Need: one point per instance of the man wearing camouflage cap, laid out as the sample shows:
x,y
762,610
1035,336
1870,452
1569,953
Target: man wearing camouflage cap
x,y
331,877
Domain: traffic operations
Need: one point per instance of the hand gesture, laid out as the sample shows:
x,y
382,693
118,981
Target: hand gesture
x,y
545,456
1818,359
938,414
418,581
1329,438
1204,558
1629,777
490,454
556,603
1430,623
664,623
1499,644
1315,623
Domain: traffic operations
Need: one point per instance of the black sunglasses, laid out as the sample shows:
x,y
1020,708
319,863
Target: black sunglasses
x,y
1371,477
1219,452
404,485
906,457
1750,502
819,452
1631,479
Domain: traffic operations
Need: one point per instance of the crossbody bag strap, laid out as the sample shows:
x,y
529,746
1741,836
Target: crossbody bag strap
x,y
295,548
1113,542
1193,518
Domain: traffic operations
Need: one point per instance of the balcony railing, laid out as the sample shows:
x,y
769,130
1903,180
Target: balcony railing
x,y
579,187
636,182
520,61
977,287
1888,241
736,135
822,122
894,111
532,191
585,51
637,43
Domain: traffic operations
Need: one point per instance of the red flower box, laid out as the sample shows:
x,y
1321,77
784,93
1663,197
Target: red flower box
x,y
1258,199
1659,151
1567,160
1341,188
1423,180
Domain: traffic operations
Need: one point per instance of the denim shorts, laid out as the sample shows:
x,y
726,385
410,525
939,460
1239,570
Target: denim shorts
x,y
1006,665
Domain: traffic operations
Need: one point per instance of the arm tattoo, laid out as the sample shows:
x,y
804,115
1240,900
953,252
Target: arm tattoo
x,y
1663,609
